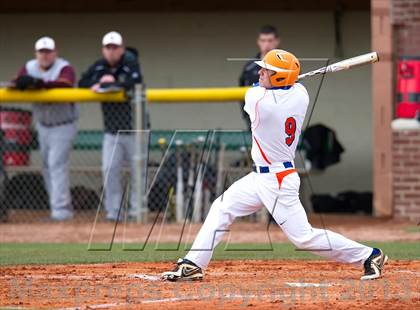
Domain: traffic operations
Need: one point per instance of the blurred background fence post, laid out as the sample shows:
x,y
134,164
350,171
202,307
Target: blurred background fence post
x,y
141,151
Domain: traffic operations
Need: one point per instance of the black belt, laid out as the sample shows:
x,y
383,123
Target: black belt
x,y
56,124
266,169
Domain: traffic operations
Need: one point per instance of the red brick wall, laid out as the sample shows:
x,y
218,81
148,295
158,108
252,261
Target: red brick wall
x,y
406,174
406,19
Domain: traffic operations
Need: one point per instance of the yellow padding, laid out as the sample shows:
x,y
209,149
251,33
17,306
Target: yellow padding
x,y
58,95
220,94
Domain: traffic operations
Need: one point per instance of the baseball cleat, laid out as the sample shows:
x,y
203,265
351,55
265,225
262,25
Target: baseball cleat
x,y
185,270
374,265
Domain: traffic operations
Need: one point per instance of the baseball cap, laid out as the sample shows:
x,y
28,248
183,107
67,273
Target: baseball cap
x,y
112,37
45,43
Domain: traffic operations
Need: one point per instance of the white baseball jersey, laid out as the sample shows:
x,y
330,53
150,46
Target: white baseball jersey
x,y
277,116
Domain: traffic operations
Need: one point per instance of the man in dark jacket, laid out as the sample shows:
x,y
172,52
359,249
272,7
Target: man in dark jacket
x,y
267,40
118,67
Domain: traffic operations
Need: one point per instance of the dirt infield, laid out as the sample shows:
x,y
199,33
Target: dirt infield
x,y
227,284
281,284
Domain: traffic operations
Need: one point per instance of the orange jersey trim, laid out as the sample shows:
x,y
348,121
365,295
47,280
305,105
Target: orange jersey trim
x,y
281,175
262,152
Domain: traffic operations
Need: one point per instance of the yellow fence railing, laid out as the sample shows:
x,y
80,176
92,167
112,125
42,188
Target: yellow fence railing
x,y
58,95
219,94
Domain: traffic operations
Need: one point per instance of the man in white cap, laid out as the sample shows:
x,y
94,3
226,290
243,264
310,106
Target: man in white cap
x,y
56,123
119,67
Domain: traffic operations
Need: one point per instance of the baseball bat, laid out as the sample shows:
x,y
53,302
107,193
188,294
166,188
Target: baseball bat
x,y
344,64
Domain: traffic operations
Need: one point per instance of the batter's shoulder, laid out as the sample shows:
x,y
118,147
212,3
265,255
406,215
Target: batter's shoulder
x,y
301,87
303,93
254,93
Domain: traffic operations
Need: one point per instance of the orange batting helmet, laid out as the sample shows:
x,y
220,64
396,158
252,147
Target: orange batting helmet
x,y
285,64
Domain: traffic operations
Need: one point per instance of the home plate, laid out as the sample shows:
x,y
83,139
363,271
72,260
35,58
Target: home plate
x,y
303,284
144,277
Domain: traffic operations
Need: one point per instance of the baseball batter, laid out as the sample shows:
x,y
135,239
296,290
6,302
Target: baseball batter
x,y
276,108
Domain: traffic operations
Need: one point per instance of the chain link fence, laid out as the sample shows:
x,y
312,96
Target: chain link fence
x,y
186,171
182,173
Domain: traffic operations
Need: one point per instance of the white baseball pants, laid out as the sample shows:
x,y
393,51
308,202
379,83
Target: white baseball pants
x,y
55,146
279,193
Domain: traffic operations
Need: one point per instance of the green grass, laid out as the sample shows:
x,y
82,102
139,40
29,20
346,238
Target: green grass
x,y
51,253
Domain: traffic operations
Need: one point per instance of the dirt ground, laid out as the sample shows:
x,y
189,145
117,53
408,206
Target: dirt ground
x,y
356,227
255,284
227,284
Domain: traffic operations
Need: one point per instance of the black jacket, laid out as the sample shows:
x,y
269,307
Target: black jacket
x,y
117,116
248,77
321,146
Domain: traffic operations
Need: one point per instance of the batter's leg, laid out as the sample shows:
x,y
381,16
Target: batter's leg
x,y
288,212
330,244
240,199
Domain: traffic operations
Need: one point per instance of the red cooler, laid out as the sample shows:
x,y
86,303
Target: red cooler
x,y
408,87
17,136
